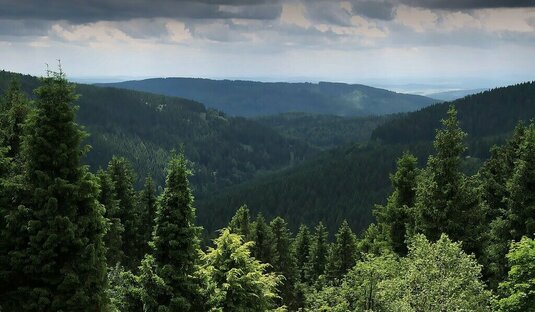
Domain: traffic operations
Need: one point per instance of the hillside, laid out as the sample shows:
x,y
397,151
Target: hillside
x,y
324,131
346,182
145,127
454,95
249,98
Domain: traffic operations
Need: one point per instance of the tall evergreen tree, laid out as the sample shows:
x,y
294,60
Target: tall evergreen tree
x,y
285,264
317,257
237,282
397,217
263,248
129,213
241,223
113,238
302,250
343,254
14,110
147,202
445,200
176,239
61,265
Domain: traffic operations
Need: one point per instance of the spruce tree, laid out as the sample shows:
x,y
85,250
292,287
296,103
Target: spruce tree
x,y
446,202
317,258
343,254
129,213
14,110
147,202
241,223
263,248
397,217
113,238
285,263
61,266
175,239
302,250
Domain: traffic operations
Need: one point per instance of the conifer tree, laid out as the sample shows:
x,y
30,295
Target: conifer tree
x,y
317,258
445,200
175,239
147,202
285,263
113,238
343,254
61,265
129,213
236,281
14,110
263,248
397,216
302,250
241,223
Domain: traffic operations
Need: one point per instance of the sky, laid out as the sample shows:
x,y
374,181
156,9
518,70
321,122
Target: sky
x,y
462,43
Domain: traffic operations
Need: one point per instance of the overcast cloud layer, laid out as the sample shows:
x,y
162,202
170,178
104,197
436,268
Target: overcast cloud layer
x,y
333,40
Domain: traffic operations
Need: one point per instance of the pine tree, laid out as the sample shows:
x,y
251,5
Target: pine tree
x,y
147,202
285,263
302,250
236,281
176,239
445,200
113,238
397,216
61,265
343,254
241,223
263,248
317,258
129,213
14,110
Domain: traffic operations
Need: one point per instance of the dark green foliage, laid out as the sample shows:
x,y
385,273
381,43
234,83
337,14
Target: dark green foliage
x,y
113,239
14,109
241,223
445,200
130,214
317,257
147,201
235,281
176,240
124,290
58,260
285,263
324,131
250,98
398,215
263,248
490,113
302,250
343,255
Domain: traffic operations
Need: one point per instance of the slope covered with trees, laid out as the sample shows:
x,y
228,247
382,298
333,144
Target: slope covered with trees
x,y
346,182
144,127
251,98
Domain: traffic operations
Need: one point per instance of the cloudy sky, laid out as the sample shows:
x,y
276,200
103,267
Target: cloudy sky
x,y
394,41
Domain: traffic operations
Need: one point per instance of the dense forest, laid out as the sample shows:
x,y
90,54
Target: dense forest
x,y
250,98
144,127
73,240
345,183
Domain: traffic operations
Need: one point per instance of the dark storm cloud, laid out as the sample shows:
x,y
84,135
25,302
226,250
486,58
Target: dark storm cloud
x,y
118,10
383,10
469,4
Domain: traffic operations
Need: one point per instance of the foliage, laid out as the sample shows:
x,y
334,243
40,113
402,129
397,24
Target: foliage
x,y
237,282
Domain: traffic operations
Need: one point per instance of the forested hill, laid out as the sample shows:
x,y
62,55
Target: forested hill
x,y
249,98
485,114
346,182
145,127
